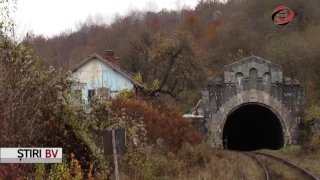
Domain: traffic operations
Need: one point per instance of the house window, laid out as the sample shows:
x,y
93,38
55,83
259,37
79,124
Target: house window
x,y
91,93
103,92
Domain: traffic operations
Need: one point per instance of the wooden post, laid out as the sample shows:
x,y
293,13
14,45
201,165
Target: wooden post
x,y
115,158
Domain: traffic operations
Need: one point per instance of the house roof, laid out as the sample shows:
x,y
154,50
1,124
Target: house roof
x,y
115,68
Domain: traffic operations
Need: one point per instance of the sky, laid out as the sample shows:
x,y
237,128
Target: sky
x,y
50,17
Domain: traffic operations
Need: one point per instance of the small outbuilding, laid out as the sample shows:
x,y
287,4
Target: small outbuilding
x,y
102,77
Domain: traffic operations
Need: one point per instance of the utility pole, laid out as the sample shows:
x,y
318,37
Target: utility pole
x,y
115,158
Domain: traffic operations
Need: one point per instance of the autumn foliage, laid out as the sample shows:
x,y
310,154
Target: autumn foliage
x,y
160,121
15,171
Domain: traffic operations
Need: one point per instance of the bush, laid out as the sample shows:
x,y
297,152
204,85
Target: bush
x,y
160,121
199,155
16,171
313,143
71,170
310,134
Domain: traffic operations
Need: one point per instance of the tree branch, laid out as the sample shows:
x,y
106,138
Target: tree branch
x,y
172,61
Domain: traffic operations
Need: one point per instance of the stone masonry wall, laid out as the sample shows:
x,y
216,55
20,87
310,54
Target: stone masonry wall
x,y
252,80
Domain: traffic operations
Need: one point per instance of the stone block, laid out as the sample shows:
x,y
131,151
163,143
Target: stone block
x,y
235,95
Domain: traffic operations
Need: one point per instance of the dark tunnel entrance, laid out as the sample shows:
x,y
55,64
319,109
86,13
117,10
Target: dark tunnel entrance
x,y
252,127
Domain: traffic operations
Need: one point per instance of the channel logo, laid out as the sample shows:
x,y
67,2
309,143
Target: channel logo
x,y
282,15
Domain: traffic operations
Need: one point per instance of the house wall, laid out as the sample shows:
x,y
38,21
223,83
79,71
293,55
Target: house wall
x,y
96,73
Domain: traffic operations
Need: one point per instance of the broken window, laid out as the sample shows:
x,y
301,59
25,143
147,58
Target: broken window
x,y
91,93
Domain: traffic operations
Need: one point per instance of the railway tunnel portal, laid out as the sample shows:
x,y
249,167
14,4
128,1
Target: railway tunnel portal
x,y
252,107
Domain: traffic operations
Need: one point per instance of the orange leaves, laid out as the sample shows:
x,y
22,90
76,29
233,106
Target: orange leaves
x,y
75,168
153,22
192,24
91,41
212,29
160,121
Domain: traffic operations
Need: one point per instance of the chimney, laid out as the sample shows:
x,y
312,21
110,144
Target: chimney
x,y
110,56
117,62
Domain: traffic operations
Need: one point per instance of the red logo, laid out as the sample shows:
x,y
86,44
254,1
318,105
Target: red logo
x,y
282,15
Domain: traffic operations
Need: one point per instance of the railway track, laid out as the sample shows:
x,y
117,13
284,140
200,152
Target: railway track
x,y
251,155
255,156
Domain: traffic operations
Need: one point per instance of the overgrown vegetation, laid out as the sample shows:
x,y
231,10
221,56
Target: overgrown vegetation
x,y
172,52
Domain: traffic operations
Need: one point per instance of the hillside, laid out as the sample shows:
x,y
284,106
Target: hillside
x,y
219,33
173,53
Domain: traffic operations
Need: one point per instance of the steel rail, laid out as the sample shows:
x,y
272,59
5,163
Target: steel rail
x,y
289,164
267,176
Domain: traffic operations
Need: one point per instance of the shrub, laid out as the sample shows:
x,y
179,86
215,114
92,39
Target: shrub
x,y
16,171
199,155
64,171
160,121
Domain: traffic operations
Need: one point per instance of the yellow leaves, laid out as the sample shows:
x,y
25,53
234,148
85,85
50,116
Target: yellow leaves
x,y
132,131
89,177
138,77
240,54
312,112
72,171
75,168
59,171
125,93
163,45
109,103
40,172
155,84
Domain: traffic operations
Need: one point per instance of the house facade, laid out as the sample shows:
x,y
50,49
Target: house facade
x,y
102,77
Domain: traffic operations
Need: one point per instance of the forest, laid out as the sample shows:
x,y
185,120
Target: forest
x,y
204,39
173,52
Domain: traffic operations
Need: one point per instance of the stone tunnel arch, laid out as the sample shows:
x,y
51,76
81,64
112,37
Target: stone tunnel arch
x,y
262,128
215,128
252,80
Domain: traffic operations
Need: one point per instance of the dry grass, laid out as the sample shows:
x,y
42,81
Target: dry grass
x,y
225,165
278,170
200,163
204,163
294,154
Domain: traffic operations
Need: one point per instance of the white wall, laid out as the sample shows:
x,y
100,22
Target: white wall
x,y
95,73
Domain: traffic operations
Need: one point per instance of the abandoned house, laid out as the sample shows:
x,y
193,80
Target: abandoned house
x,y
102,77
